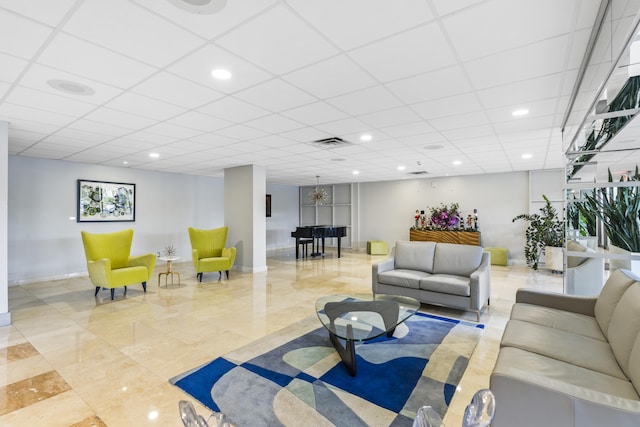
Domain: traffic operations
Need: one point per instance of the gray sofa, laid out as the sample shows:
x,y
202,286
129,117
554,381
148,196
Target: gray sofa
x,y
570,360
451,275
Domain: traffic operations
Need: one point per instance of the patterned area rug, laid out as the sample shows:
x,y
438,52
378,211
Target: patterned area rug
x,y
295,377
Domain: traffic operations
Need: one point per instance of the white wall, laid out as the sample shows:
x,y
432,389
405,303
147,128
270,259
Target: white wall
x,y
284,216
45,243
386,209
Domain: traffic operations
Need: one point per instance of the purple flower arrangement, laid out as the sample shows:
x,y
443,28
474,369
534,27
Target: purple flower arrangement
x,y
445,217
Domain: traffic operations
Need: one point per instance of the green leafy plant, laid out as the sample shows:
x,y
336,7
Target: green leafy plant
x,y
545,229
619,210
628,98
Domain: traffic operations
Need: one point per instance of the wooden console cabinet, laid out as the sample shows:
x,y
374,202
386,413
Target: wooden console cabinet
x,y
459,237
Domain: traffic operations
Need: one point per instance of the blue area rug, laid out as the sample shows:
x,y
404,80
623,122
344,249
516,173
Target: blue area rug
x,y
295,377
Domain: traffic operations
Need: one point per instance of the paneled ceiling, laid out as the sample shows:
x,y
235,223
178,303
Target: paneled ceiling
x,y
433,83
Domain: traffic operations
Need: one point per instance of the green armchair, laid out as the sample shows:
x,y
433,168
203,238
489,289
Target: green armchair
x,y
208,251
110,264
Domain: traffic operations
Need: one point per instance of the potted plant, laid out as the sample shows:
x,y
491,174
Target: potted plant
x,y
619,210
545,234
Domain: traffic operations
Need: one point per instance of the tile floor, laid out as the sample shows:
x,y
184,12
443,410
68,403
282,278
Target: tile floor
x,y
70,359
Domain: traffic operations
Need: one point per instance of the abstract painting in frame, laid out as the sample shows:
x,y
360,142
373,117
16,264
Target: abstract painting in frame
x,y
100,201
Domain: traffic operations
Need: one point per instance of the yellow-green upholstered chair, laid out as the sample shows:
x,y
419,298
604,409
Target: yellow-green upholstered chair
x,y
208,252
110,264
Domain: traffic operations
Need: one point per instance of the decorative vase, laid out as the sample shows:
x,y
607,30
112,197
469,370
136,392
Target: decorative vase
x,y
554,259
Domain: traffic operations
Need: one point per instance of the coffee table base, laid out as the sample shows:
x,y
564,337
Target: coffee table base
x,y
387,309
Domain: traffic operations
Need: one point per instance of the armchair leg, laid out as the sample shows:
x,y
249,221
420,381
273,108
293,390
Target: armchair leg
x,y
227,274
219,275
125,290
112,293
144,287
199,277
97,289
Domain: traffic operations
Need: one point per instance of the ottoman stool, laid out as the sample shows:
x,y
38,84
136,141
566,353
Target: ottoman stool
x,y
377,247
498,255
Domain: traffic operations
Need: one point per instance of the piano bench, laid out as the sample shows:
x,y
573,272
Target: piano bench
x,y
377,247
305,246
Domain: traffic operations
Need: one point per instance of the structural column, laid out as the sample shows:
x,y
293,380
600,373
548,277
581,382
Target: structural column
x,y
245,192
5,316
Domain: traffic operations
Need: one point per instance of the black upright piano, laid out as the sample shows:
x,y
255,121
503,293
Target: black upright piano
x,y
318,233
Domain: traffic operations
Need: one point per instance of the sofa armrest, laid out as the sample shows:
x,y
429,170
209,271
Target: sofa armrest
x,y
571,303
480,285
100,272
231,254
146,260
550,402
379,267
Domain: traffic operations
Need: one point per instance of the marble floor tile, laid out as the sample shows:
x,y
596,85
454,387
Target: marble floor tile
x,y
108,363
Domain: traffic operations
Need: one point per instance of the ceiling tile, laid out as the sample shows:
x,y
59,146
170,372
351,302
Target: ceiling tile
x,y
391,117
173,131
144,106
445,7
241,132
176,90
38,75
365,101
4,89
274,123
10,111
49,12
233,109
275,95
21,37
433,85
449,106
208,25
119,118
79,57
530,22
101,128
198,65
199,121
408,129
332,77
406,54
521,92
127,28
459,121
527,62
285,43
36,99
11,67
316,113
374,19
343,127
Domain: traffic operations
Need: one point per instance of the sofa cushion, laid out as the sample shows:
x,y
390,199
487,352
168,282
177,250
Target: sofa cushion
x,y
446,284
458,260
558,319
625,326
415,256
537,368
402,277
572,348
634,364
574,261
615,286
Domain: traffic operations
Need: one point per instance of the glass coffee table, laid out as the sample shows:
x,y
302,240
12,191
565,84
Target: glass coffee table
x,y
362,317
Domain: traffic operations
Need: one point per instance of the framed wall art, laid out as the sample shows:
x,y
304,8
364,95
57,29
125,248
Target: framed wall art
x,y
100,201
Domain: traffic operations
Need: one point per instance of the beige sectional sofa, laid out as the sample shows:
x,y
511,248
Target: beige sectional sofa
x,y
451,275
569,360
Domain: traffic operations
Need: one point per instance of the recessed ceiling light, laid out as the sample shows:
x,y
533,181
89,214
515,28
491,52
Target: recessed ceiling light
x,y
365,137
154,155
356,172
520,112
401,167
527,156
221,74
200,7
457,162
124,162
73,88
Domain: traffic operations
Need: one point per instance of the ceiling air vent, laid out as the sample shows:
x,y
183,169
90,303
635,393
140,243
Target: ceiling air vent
x,y
419,173
332,142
